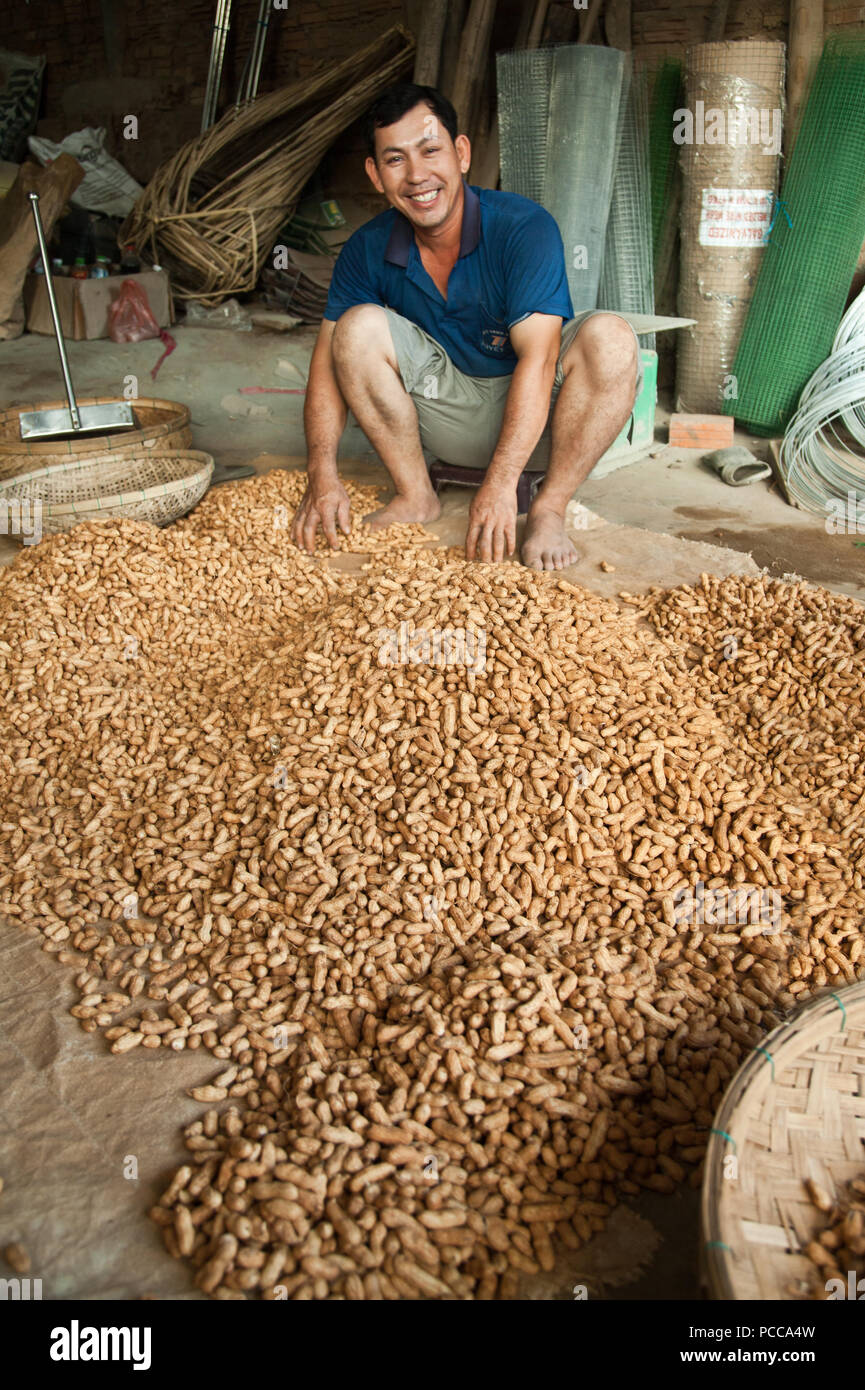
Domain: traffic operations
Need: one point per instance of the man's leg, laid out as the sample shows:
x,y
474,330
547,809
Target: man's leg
x,y
368,375
593,405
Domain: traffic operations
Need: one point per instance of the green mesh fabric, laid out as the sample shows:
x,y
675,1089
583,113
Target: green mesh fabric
x,y
805,274
667,97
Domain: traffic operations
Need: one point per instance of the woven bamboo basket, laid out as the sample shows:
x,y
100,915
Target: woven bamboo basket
x,y
795,1110
157,488
161,426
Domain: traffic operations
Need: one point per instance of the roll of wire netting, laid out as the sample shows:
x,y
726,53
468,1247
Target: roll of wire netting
x,y
627,278
523,83
730,134
583,128
822,458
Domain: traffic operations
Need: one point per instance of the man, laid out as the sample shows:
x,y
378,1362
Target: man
x,y
444,330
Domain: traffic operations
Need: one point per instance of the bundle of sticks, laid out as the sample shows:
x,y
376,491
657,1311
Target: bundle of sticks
x,y
211,213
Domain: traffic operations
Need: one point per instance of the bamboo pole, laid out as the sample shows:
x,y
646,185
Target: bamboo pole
x,y
617,24
589,20
429,43
806,43
539,18
485,157
454,21
472,60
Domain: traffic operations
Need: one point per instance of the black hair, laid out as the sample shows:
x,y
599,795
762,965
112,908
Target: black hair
x,y
396,100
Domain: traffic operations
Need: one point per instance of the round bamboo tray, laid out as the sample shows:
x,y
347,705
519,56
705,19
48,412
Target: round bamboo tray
x,y
152,487
794,1110
163,426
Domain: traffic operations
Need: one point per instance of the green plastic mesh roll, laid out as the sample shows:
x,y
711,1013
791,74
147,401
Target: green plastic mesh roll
x,y
806,271
667,94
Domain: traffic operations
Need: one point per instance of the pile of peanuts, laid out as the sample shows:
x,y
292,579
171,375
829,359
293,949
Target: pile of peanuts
x,y
268,510
838,1250
426,916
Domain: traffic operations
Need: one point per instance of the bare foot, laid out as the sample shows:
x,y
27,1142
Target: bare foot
x,y
404,509
546,545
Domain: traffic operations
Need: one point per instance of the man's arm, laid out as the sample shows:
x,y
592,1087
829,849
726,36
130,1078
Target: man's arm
x,y
325,501
493,512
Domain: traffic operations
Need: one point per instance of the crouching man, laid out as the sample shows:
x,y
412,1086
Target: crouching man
x,y
449,327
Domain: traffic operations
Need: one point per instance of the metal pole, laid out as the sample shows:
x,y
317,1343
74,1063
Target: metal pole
x,y
223,40
49,285
221,26
261,35
205,110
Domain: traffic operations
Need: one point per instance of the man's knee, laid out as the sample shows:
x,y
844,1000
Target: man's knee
x,y
364,328
606,345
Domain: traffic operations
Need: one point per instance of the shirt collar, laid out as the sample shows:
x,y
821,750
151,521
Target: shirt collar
x,y
402,234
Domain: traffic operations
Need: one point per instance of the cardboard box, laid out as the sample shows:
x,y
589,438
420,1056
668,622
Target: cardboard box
x,y
83,304
8,175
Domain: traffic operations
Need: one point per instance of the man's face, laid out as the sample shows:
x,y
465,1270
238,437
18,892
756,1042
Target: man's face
x,y
419,167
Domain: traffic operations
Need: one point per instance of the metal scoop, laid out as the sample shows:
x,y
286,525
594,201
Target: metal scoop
x,y
85,419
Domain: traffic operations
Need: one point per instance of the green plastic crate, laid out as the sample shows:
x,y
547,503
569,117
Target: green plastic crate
x,y
641,426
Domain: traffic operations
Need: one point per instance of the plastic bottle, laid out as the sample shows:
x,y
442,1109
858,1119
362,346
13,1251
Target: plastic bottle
x,y
57,266
79,270
129,264
100,269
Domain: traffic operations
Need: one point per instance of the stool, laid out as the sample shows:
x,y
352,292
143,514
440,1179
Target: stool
x,y
527,484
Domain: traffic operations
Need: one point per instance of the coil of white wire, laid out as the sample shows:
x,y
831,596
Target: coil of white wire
x,y
819,464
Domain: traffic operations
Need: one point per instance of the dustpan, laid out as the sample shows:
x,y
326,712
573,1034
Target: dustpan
x,y
86,419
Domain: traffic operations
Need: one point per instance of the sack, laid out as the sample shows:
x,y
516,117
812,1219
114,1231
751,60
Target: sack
x,y
130,317
18,244
20,86
107,187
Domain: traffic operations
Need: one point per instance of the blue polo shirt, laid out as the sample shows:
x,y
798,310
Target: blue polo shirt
x,y
511,264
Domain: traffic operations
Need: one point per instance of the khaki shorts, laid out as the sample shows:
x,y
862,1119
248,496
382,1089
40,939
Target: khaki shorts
x,y
460,416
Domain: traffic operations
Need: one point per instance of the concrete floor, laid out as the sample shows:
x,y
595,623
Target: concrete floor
x,y
662,520
672,494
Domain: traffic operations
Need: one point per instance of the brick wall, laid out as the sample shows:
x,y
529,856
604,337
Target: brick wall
x,y
108,58
161,51
663,28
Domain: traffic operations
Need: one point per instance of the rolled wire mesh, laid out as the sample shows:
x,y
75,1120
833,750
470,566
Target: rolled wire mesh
x,y
811,257
627,279
728,186
585,93
822,458
523,81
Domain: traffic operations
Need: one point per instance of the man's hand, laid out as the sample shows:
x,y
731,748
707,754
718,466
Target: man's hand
x,y
323,504
492,532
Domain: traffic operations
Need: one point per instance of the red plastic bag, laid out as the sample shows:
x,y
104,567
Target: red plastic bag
x,y
130,317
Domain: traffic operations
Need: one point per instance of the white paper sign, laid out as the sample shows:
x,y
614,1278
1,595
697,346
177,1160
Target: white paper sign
x,y
735,216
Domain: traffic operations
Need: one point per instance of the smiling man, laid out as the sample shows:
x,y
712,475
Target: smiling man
x,y
449,327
